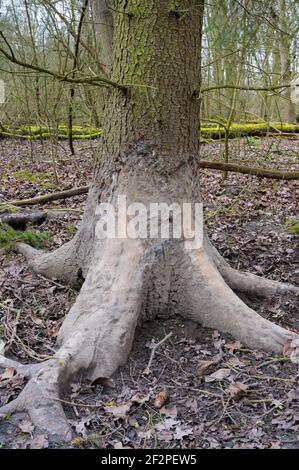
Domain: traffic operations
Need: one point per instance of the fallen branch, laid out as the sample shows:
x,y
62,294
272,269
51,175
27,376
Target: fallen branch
x,y
250,170
50,197
246,88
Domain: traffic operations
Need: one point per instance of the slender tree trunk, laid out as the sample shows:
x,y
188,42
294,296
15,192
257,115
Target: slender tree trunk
x,y
148,154
289,108
103,26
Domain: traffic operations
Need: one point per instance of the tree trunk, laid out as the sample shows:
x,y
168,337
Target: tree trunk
x,y
148,153
288,108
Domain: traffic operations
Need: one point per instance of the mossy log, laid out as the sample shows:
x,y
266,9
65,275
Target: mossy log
x,y
207,134
249,129
42,132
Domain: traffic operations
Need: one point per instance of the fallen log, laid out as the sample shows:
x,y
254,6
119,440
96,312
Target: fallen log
x,y
50,197
19,221
250,170
205,164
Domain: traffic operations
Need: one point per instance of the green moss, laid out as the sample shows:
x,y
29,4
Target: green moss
x,y
94,438
71,229
32,177
293,226
6,207
42,132
253,141
252,129
47,185
209,133
9,237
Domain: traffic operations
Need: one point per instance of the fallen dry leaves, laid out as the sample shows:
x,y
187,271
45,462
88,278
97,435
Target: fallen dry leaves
x,y
237,390
7,374
248,229
218,376
203,366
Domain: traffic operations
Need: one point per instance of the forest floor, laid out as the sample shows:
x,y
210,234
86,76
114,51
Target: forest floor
x,y
244,399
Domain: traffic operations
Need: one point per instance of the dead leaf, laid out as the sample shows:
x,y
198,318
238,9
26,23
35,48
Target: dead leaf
x,y
167,424
37,321
7,374
81,426
39,442
291,349
275,445
104,381
119,445
169,411
119,411
234,362
219,343
26,426
181,433
139,398
233,346
165,436
203,366
287,348
218,376
258,355
237,390
160,399
145,434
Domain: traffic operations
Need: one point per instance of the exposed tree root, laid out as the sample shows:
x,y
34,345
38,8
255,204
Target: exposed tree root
x,y
209,301
40,398
25,370
71,261
60,264
247,283
97,334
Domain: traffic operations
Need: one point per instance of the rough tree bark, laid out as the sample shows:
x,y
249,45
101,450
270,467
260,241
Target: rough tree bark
x,y
148,153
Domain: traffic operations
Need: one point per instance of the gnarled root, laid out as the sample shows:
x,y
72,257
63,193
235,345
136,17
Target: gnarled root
x,y
211,302
60,264
25,370
96,336
40,398
247,283
71,261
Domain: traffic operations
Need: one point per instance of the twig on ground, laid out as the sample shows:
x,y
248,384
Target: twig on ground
x,y
147,370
